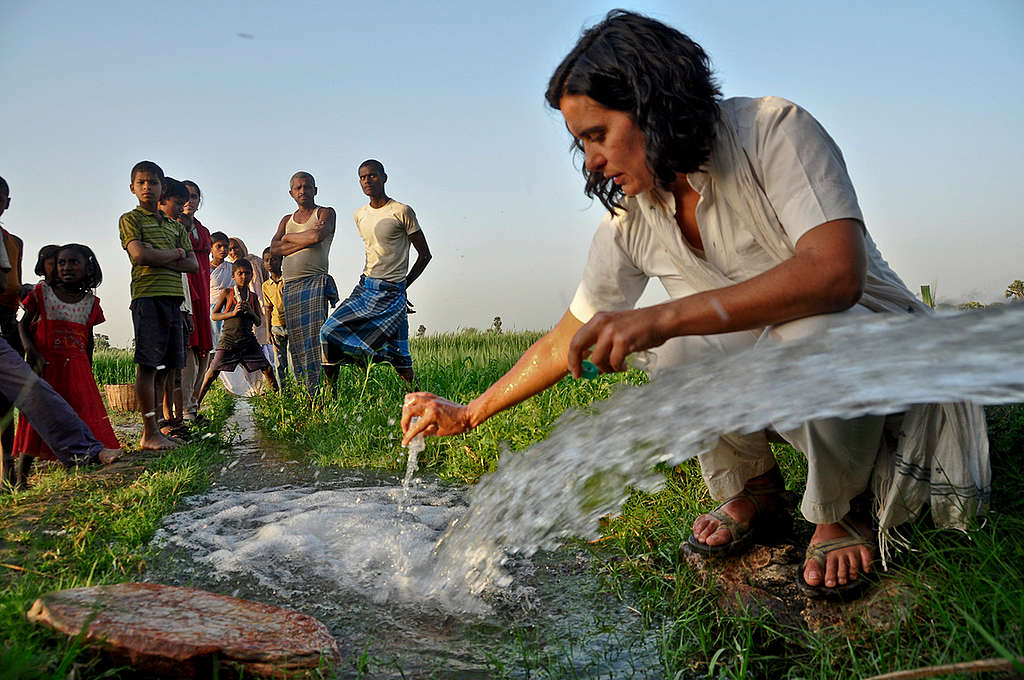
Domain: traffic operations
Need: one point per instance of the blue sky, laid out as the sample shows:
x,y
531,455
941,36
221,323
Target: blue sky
x,y
924,98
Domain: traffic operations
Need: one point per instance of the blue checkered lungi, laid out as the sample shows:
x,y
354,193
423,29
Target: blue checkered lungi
x,y
306,303
371,325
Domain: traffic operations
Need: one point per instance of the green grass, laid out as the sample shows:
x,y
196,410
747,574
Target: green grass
x,y
113,366
79,528
357,423
965,591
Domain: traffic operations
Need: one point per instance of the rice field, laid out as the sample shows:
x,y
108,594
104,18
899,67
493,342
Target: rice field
x,y
113,366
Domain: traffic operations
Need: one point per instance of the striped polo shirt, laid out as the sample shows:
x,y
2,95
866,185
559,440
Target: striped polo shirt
x,y
161,233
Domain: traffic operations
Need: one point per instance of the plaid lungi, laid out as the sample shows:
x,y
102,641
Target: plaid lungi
x,y
371,325
305,308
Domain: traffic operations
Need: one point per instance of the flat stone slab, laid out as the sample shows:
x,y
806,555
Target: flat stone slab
x,y
184,632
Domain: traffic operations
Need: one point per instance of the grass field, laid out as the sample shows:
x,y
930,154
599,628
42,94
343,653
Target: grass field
x,y
113,366
87,527
964,594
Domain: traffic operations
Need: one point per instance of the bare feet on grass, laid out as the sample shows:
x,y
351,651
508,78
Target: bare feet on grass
x,y
108,456
842,565
157,442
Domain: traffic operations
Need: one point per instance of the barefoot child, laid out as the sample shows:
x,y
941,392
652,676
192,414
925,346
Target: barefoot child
x,y
172,203
159,250
273,304
238,309
56,331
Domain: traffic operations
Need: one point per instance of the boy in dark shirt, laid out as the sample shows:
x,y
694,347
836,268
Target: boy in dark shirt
x,y
240,311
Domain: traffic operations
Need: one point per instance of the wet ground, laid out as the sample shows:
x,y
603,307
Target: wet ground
x,y
346,546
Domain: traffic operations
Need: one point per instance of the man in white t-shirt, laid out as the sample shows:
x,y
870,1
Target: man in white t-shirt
x,y
372,324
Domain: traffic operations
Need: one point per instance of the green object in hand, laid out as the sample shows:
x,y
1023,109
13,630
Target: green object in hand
x,y
590,371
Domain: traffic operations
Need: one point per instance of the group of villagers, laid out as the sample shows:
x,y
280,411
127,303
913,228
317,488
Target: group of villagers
x,y
259,307
202,307
744,210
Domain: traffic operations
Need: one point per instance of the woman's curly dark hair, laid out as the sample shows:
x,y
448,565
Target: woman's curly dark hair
x,y
659,76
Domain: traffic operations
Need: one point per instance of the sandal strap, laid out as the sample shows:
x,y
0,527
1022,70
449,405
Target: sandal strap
x,y
818,551
783,498
724,520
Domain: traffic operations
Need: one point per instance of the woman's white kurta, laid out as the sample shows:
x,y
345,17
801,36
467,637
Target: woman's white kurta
x,y
774,175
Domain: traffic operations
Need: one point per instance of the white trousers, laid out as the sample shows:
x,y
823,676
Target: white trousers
x,y
840,453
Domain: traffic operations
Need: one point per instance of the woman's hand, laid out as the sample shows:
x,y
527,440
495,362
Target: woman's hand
x,y
438,417
612,336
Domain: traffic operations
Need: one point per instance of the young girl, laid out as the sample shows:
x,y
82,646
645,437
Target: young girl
x,y
46,269
57,333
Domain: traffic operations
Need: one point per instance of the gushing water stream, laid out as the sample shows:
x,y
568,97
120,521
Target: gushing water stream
x,y
353,550
562,485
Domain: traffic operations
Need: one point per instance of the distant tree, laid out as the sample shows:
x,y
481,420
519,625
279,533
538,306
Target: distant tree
x,y
471,331
421,331
963,307
1015,290
495,326
100,341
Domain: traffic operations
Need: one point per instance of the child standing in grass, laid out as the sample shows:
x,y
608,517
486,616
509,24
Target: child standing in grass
x,y
172,202
57,332
273,303
239,309
159,250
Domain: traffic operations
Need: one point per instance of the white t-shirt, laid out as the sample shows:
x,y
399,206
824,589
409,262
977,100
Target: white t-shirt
x,y
792,158
385,232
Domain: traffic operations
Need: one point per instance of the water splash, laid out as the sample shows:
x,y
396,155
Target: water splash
x,y
433,549
356,540
562,485
416,446
353,548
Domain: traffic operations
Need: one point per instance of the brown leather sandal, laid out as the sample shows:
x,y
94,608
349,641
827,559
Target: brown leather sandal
x,y
764,522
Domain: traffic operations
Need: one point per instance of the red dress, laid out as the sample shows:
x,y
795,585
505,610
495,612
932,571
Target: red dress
x,y
199,285
62,336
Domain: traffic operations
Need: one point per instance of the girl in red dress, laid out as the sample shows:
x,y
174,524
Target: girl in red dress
x,y
57,333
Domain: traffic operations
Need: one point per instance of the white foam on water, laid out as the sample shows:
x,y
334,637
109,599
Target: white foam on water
x,y
372,541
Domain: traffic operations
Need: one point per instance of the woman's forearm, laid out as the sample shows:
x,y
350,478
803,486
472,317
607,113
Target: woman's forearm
x,y
543,364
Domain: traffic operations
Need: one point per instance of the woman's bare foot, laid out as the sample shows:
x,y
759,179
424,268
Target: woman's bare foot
x,y
108,456
844,564
158,442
